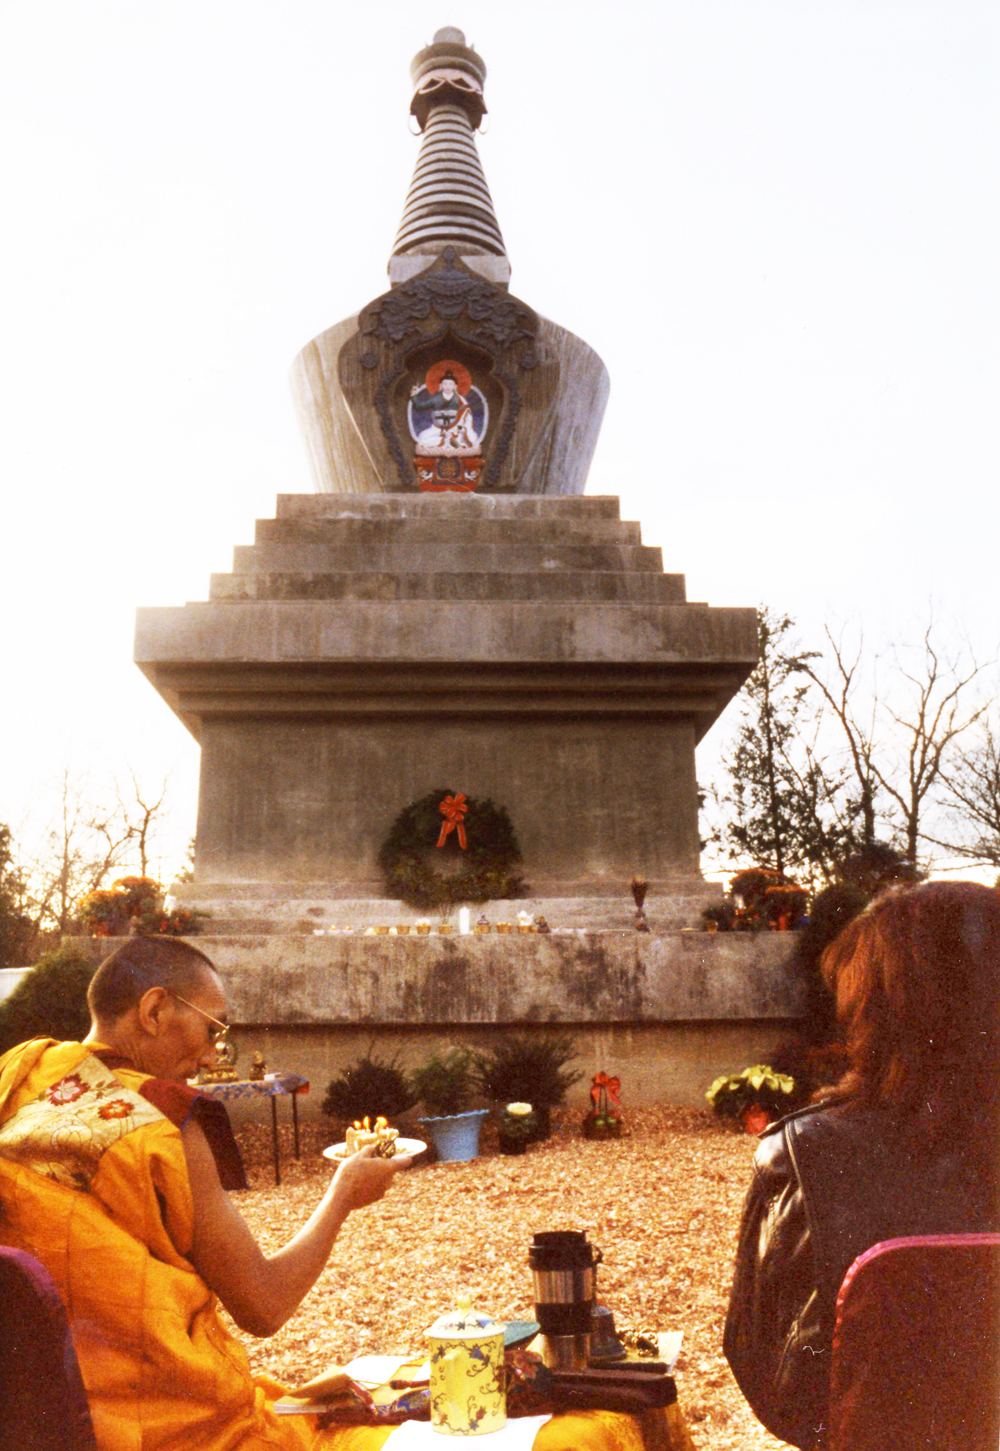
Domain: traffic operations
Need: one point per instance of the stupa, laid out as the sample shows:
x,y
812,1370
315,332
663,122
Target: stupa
x,y
448,610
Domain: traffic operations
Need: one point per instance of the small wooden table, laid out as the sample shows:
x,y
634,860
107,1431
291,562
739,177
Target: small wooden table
x,y
268,1087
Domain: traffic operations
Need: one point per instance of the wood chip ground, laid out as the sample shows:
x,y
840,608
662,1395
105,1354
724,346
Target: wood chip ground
x,y
663,1204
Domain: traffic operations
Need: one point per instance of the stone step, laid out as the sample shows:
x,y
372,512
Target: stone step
x,y
634,586
365,534
268,916
440,556
707,648
415,506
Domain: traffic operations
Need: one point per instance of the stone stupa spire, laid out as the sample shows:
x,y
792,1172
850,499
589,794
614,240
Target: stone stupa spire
x,y
448,203
448,382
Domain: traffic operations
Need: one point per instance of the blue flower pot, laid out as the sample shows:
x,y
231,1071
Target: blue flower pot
x,y
456,1136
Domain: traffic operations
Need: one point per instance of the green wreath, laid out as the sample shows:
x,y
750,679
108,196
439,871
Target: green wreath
x,y
423,874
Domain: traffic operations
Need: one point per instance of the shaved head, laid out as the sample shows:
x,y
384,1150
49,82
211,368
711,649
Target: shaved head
x,y
142,963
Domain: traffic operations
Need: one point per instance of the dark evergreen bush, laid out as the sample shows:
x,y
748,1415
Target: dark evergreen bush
x,y
51,1002
832,909
527,1070
371,1087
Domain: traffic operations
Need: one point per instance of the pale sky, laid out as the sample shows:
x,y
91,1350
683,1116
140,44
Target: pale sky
x,y
776,220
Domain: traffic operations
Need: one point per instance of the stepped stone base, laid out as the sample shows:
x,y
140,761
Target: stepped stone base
x,y
368,649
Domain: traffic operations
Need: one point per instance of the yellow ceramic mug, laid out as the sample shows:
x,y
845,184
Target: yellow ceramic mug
x,y
467,1373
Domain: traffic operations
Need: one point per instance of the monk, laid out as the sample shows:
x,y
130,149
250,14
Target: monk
x,y
108,1178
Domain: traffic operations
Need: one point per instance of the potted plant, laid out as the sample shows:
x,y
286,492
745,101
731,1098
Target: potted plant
x,y
528,1070
517,1124
371,1087
135,904
719,916
785,906
755,1097
604,1120
446,1087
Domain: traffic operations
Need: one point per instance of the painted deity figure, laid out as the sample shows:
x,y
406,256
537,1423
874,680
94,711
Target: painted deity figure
x,y
447,414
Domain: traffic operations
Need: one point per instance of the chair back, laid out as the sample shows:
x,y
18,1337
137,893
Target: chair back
x,y
916,1348
43,1405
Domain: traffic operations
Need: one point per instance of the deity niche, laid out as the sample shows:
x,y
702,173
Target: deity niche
x,y
448,417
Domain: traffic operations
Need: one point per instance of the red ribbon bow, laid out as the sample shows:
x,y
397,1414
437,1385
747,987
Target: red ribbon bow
x,y
602,1082
453,809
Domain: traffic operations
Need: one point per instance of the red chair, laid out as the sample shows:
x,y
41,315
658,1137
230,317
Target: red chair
x,y
916,1349
43,1405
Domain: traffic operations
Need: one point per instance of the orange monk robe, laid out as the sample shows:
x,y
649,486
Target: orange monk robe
x,y
94,1184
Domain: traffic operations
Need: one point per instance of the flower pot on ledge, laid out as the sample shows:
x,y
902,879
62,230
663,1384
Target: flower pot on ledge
x,y
595,1127
456,1136
755,1119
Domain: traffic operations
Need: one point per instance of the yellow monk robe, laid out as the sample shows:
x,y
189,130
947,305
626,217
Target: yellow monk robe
x,y
94,1184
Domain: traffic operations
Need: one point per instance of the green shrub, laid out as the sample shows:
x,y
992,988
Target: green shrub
x,y
371,1087
446,1083
532,1070
50,1002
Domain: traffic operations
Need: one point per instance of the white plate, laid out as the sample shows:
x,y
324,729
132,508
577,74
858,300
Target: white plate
x,y
403,1146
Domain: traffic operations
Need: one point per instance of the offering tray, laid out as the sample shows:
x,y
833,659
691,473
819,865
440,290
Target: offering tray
x,y
338,1152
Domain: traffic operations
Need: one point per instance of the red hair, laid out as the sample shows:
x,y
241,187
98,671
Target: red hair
x,y
917,982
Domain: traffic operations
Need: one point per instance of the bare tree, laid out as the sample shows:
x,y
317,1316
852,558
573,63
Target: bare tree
x,y
900,748
140,809
973,802
89,842
840,694
79,852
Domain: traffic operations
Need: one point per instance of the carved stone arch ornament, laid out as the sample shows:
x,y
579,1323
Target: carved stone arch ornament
x,y
402,349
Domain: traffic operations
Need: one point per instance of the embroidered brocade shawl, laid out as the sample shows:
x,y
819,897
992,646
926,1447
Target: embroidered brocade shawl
x,y
94,1183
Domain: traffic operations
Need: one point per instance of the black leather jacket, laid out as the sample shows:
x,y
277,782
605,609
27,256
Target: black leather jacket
x,y
827,1184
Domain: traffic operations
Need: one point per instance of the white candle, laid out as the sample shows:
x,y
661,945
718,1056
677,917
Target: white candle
x,y
464,916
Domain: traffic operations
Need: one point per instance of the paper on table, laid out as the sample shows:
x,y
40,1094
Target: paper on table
x,y
668,1347
368,1371
375,1370
516,1435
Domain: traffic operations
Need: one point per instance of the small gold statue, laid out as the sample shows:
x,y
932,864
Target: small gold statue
x,y
258,1068
226,1054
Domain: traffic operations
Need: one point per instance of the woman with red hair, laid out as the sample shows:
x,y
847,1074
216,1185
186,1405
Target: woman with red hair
x,y
908,1143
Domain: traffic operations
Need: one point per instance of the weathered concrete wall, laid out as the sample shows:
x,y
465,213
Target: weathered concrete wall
x,y
600,977
9,979
667,1013
657,1062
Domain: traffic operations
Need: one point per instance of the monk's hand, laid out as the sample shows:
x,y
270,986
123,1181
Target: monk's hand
x,y
362,1179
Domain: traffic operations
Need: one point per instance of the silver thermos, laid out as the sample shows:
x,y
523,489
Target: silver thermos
x,y
564,1274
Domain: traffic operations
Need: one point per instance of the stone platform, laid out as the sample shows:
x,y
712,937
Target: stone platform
x,y
299,908
667,1012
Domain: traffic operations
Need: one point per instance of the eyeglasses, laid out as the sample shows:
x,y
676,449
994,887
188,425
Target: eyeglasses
x,y
220,1039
